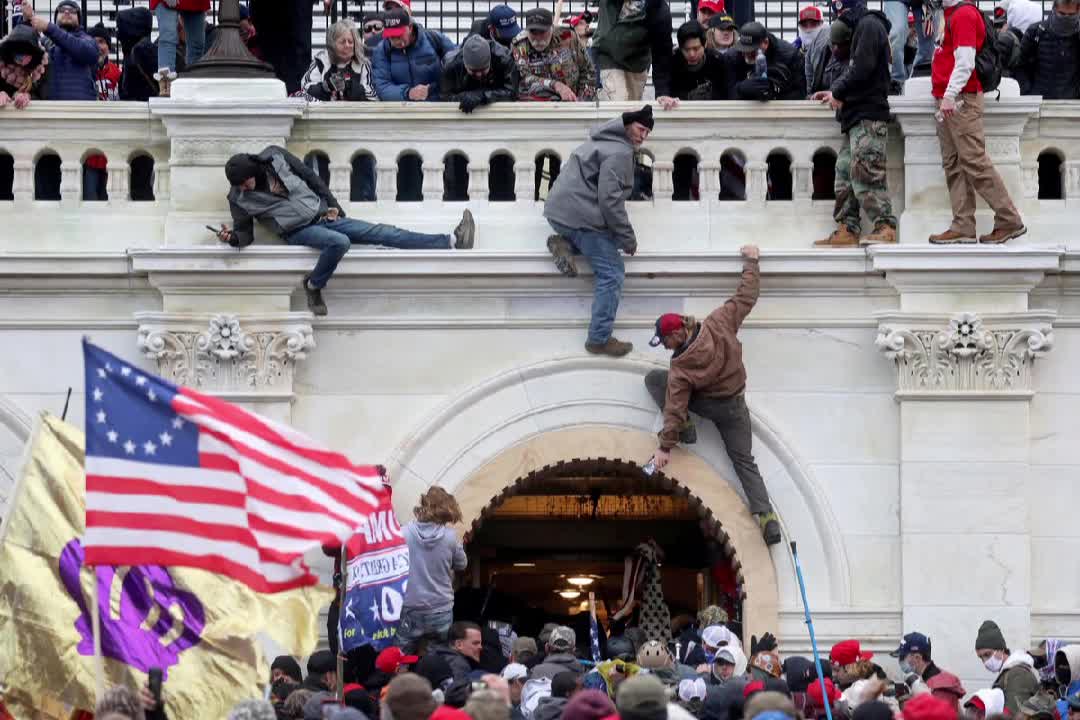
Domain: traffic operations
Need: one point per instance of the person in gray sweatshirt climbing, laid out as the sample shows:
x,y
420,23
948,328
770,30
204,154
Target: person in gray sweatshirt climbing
x,y
435,554
587,208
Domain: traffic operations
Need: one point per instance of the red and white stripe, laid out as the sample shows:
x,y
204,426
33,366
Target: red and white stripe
x,y
262,497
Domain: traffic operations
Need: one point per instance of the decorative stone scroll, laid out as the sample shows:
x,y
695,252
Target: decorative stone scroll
x,y
969,355
226,353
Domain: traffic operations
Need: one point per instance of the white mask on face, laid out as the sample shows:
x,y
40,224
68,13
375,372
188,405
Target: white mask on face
x,y
808,36
993,663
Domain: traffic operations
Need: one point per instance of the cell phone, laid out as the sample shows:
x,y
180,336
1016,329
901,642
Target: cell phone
x,y
154,676
213,229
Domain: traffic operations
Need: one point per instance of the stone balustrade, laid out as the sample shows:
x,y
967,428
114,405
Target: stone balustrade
x,y
715,167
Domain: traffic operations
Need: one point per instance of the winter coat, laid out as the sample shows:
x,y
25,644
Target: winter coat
x,y
532,693
711,362
282,215
184,5
594,185
434,554
1018,679
550,708
398,71
356,77
1049,63
566,62
864,87
499,85
460,665
1071,655
786,73
722,699
555,664
817,57
73,62
633,33
13,78
108,81
714,80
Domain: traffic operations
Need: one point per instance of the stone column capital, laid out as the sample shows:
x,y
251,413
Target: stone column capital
x,y
965,355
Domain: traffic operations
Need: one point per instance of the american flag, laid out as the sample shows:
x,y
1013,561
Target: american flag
x,y
174,477
594,629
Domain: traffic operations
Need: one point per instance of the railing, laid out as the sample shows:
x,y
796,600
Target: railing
x,y
721,173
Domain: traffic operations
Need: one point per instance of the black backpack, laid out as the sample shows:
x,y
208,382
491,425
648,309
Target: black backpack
x,y
988,64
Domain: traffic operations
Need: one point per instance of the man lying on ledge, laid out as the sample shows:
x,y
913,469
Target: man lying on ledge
x,y
276,188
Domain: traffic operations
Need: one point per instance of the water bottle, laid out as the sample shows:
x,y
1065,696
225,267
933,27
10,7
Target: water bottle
x,y
761,65
649,468
940,116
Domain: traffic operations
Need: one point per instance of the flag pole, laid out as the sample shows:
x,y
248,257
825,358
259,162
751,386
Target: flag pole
x,y
95,621
813,641
341,614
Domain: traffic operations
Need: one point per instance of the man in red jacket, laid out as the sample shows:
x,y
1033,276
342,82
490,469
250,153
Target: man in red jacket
x,y
707,376
968,169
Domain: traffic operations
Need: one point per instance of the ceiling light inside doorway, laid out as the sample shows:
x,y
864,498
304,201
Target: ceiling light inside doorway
x,y
570,594
524,564
580,581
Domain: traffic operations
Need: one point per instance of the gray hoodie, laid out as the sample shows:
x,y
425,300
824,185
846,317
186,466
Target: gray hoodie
x,y
594,185
434,554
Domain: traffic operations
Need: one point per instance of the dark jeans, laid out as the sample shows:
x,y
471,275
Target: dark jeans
x,y
608,274
732,419
334,238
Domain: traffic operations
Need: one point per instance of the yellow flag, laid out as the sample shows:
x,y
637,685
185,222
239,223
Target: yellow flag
x,y
197,626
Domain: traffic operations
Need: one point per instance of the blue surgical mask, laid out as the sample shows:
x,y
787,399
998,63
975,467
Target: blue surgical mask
x,y
905,667
710,657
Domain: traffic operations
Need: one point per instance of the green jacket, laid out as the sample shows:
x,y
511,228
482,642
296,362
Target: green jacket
x,y
633,33
1018,681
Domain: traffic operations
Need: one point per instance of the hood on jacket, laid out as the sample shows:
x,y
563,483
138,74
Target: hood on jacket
x,y
22,40
732,652
1067,657
611,131
429,534
532,693
549,708
1020,659
1022,14
797,673
993,699
132,25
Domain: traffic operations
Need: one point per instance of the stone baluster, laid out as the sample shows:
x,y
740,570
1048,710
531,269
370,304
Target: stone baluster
x,y
802,178
757,181
23,184
663,187
433,179
709,180
119,182
385,179
1071,184
340,180
161,181
1029,179
479,179
70,182
525,180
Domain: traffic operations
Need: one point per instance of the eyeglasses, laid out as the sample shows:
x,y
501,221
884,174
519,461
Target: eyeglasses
x,y
373,27
68,10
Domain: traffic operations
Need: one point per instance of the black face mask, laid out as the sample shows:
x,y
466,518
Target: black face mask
x,y
1064,25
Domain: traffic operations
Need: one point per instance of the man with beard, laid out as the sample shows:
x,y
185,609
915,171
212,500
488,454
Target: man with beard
x,y
552,66
697,73
73,57
1050,55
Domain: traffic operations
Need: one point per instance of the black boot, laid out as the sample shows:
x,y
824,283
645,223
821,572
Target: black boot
x,y
314,298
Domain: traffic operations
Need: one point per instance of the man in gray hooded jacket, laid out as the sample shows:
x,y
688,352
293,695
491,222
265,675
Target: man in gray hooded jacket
x,y
587,208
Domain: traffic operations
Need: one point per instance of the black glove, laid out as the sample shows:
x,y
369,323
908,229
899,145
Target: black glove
x,y
766,644
471,101
755,88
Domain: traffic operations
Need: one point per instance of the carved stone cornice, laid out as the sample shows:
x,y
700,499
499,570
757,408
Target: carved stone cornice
x,y
965,355
237,355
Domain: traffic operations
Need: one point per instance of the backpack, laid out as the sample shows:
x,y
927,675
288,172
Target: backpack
x,y
988,64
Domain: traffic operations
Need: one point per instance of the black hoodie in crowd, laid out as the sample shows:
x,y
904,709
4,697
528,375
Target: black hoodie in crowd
x,y
714,79
864,85
787,73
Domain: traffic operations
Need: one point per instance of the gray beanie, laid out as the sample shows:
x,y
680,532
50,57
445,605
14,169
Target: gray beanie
x,y
476,53
990,637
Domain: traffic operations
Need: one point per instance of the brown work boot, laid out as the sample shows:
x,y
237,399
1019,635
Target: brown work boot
x,y
843,236
562,252
1002,235
882,235
613,347
951,237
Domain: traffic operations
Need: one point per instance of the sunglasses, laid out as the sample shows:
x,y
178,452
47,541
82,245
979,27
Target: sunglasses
x,y
373,27
67,10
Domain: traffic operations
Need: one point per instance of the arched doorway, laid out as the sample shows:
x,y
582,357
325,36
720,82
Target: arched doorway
x,y
562,531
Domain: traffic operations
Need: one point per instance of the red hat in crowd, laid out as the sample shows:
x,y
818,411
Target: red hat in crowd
x,y
811,12
390,659
848,652
716,7
813,692
445,712
911,18
754,686
666,324
928,707
349,687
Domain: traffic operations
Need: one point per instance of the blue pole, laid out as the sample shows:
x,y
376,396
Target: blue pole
x,y
813,640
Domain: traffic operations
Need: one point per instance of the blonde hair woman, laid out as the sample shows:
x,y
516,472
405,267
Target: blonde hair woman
x,y
435,554
340,71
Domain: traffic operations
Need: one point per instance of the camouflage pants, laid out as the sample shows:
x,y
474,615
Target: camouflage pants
x,y
860,176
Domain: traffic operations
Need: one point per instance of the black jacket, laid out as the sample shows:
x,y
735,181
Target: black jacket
x,y
787,74
460,665
1049,63
500,84
630,35
133,28
715,80
864,86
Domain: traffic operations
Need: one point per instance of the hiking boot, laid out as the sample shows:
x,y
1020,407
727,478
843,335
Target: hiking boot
x,y
563,255
951,237
314,298
882,235
165,78
613,347
843,236
465,232
770,527
688,433
1002,235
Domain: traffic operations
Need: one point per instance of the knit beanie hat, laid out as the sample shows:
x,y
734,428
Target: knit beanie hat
x,y
642,697
68,3
285,663
643,116
239,168
840,33
588,705
990,637
476,53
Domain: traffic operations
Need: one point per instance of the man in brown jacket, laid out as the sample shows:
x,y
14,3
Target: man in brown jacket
x,y
707,376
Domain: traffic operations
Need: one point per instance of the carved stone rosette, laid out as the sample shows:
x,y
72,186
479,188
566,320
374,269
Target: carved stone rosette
x,y
225,353
965,354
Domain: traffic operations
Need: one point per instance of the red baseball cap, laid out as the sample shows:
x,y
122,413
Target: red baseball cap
x,y
810,12
754,686
813,692
390,659
396,22
716,7
848,652
665,325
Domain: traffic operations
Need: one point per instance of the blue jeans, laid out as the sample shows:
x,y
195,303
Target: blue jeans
x,y
416,623
897,13
169,37
608,272
95,184
333,239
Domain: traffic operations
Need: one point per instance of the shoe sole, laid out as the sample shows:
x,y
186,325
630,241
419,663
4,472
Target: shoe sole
x,y
601,351
957,241
1011,236
868,243
563,261
468,230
